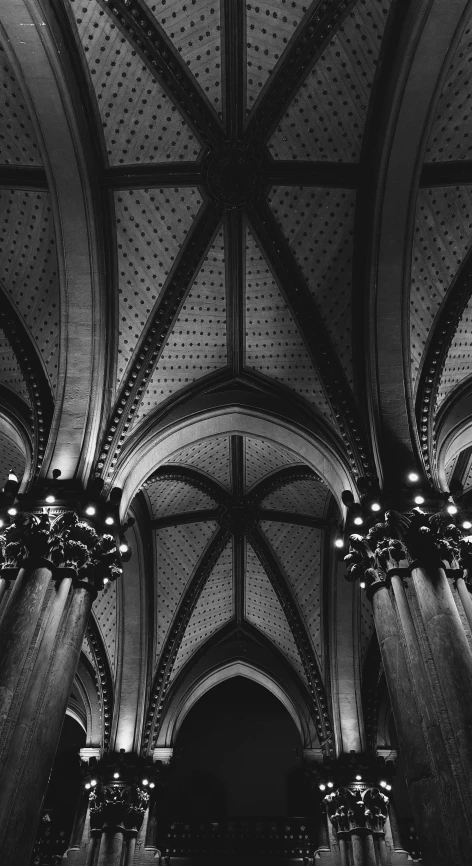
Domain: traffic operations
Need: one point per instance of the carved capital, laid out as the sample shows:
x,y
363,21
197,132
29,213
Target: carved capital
x,y
117,805
352,809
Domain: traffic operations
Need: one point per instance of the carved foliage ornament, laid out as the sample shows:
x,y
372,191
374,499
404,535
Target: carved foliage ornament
x,y
66,541
352,809
117,805
430,539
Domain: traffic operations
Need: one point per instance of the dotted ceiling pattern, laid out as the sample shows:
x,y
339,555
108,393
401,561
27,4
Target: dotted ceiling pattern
x,y
28,268
196,346
178,550
261,458
302,497
319,226
263,609
451,130
214,609
175,497
140,122
274,345
457,366
442,235
298,549
210,456
151,227
12,458
270,26
104,609
17,137
194,29
327,117
10,373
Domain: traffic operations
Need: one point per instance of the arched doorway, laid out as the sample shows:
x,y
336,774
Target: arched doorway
x,y
237,753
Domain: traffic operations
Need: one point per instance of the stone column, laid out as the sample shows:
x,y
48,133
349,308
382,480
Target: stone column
x,y
36,729
357,816
464,595
117,810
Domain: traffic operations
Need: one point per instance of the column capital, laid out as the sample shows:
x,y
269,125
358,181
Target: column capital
x,y
403,541
355,809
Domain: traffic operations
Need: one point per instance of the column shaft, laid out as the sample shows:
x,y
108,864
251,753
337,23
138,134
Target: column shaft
x,y
92,850
369,847
343,852
3,587
465,598
42,716
111,847
130,851
418,771
357,849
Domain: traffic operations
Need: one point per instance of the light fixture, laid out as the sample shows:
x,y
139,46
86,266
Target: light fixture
x,y
338,543
362,584
50,498
330,784
145,781
452,509
383,784
419,499
105,580
1,522
93,782
322,787
90,510
358,520
152,785
388,787
124,547
12,511
116,775
358,778
467,524
375,506
413,476
109,520
87,785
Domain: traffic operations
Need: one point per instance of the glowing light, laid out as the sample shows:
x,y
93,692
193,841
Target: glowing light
x,y
1,522
322,787
109,520
467,524
419,500
12,511
116,775
152,785
358,521
375,506
93,782
388,787
362,584
87,785
12,476
413,476
383,784
451,509
358,778
90,510
330,784
124,547
145,781
105,580
50,498
339,542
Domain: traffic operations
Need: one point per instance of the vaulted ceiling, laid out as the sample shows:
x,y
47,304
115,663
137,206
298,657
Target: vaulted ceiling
x,y
265,207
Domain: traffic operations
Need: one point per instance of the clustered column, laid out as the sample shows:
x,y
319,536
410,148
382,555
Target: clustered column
x,y
62,563
405,563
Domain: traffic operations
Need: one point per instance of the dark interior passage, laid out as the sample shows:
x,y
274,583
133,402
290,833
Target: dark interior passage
x,y
237,753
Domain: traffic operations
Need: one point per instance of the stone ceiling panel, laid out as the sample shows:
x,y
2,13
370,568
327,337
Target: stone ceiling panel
x,y
327,117
29,270
140,123
262,458
319,226
442,236
18,145
104,609
194,28
151,227
298,549
211,456
270,27
174,497
10,372
196,345
303,497
214,609
178,550
274,345
263,610
451,131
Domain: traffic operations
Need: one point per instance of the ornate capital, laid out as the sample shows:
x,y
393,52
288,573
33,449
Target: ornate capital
x,y
63,540
117,805
430,540
352,809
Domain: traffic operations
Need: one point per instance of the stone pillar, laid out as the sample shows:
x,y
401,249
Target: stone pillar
x,y
33,733
117,811
357,816
464,595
